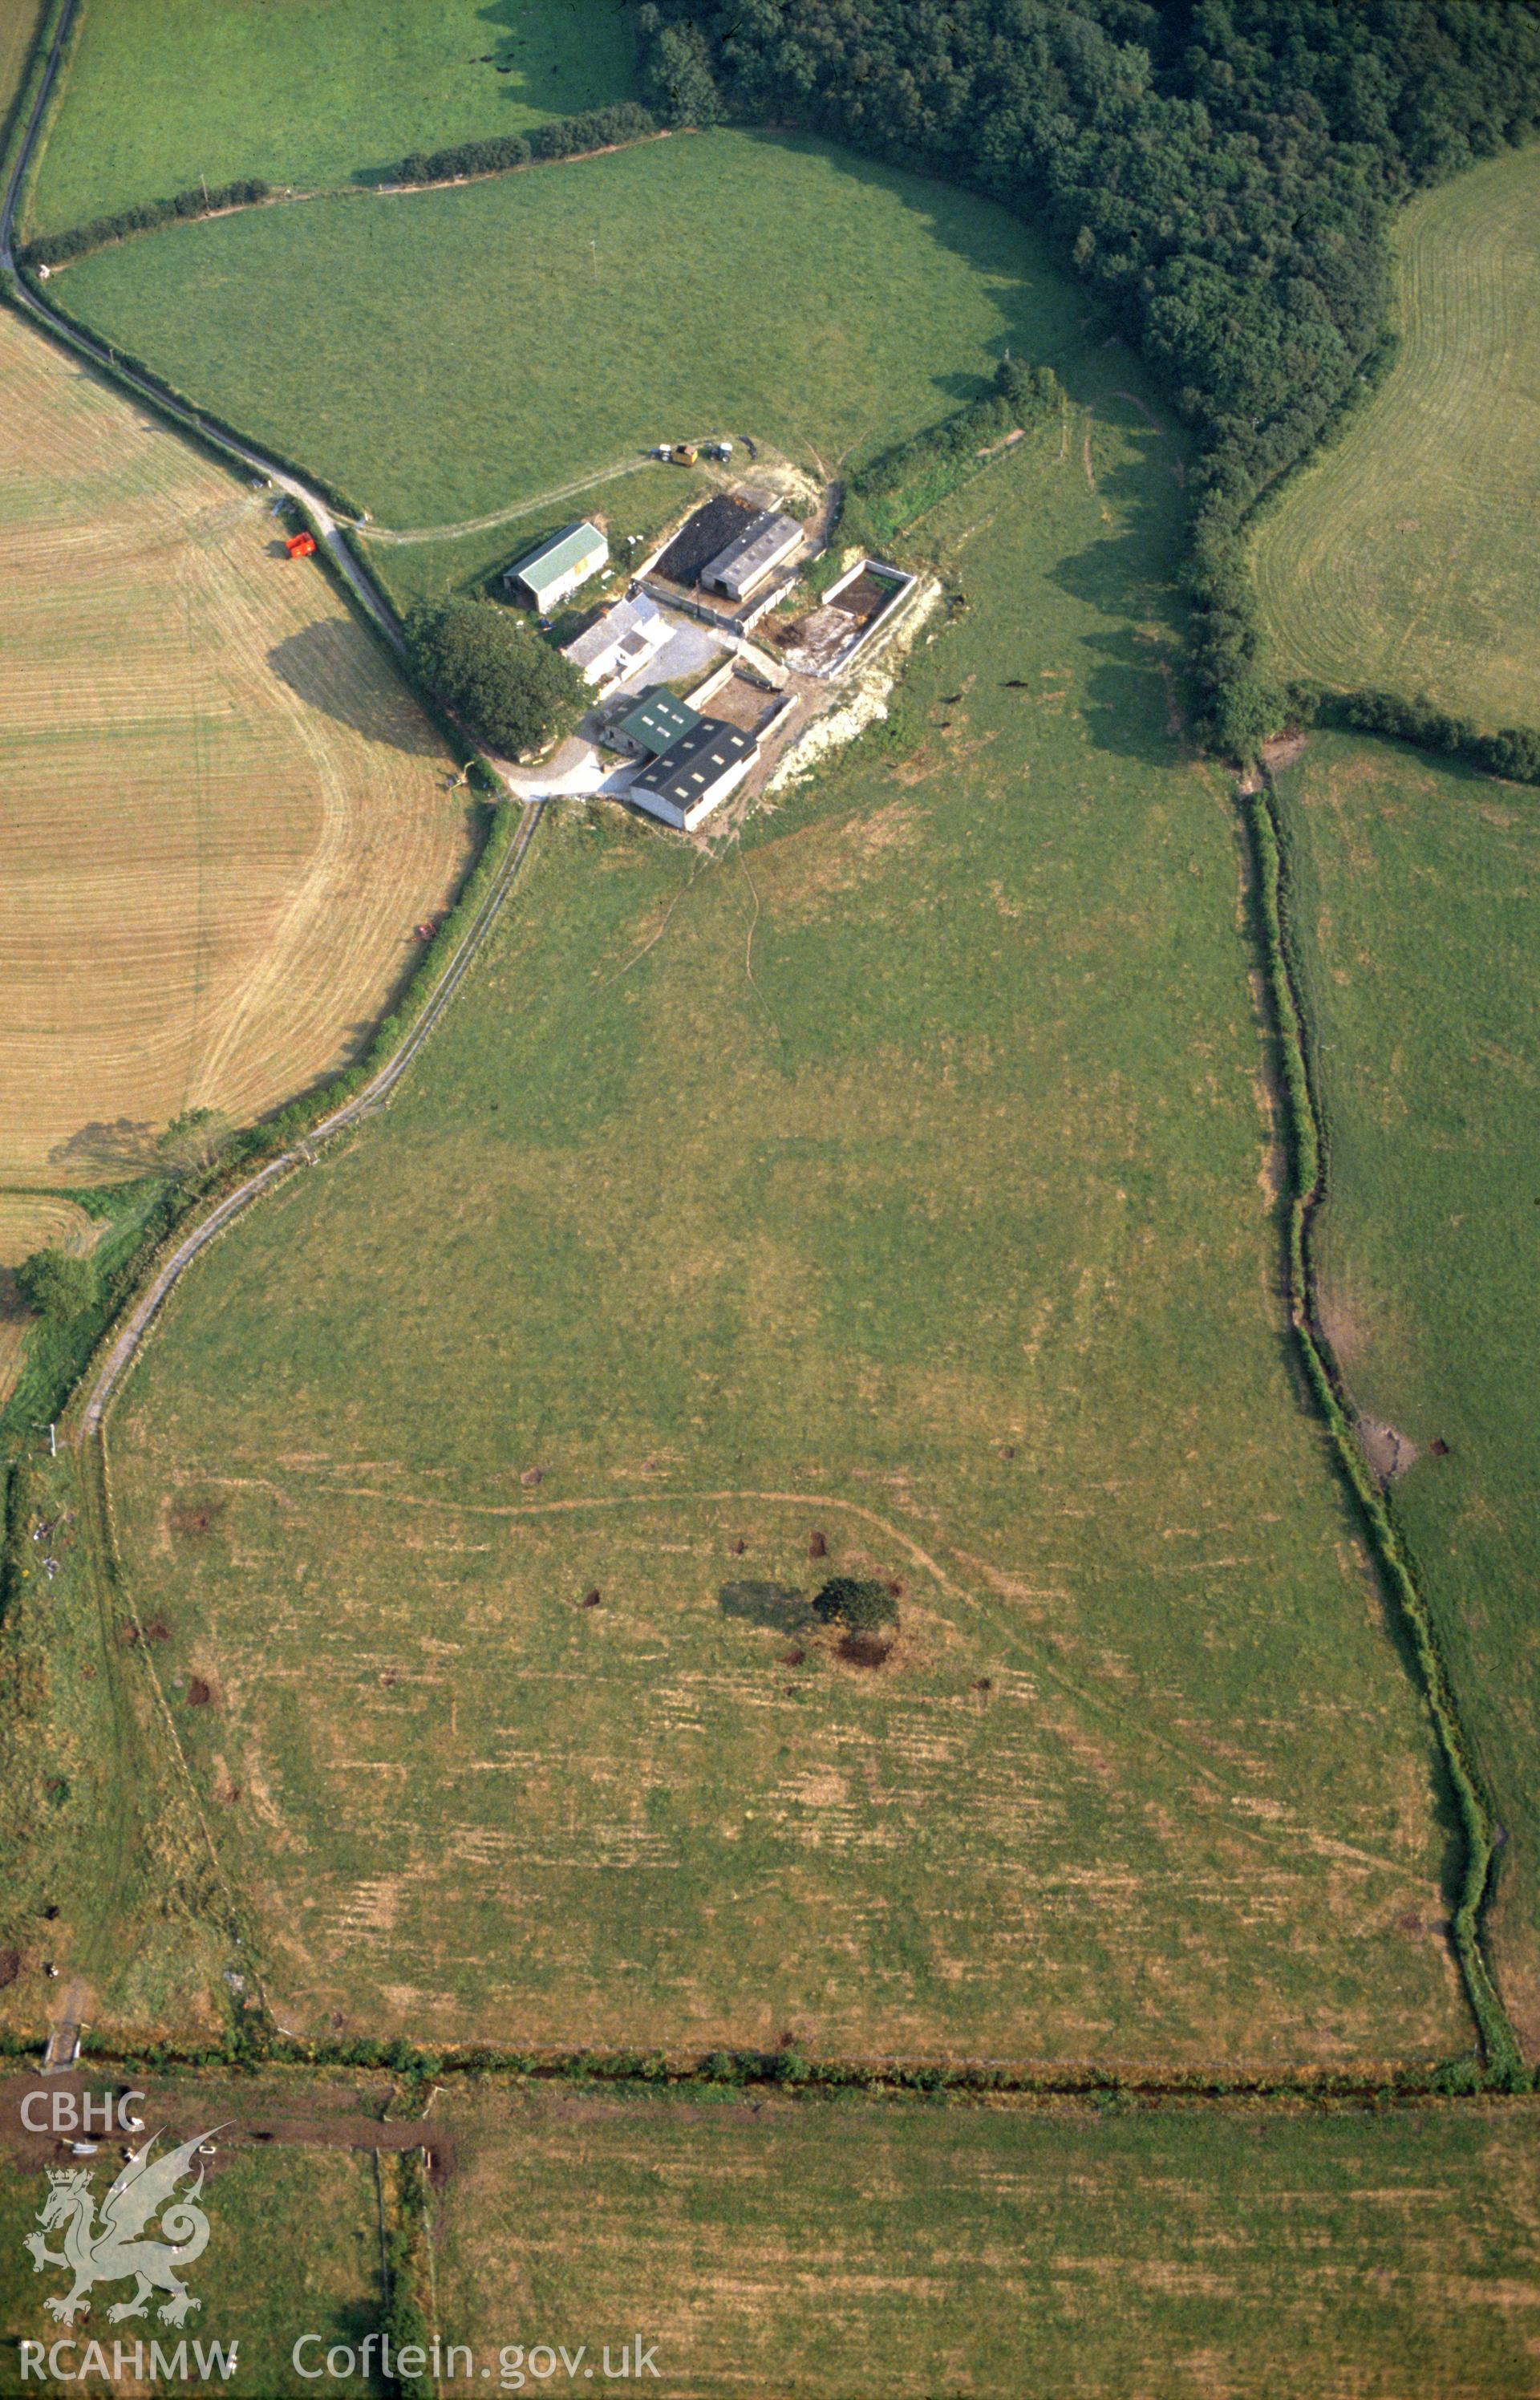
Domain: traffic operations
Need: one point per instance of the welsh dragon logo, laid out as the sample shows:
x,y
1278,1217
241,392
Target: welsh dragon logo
x,y
106,2253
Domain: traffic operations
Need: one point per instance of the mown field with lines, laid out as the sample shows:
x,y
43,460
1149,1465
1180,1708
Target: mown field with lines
x,y
1407,555
225,813
871,2249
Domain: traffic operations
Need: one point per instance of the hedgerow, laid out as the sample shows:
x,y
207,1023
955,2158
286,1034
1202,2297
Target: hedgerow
x,y
1505,2067
594,129
900,483
1513,752
56,249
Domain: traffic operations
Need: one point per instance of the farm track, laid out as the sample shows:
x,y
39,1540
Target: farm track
x,y
363,1104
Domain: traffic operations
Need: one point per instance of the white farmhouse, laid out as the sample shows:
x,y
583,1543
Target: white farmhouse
x,y
624,638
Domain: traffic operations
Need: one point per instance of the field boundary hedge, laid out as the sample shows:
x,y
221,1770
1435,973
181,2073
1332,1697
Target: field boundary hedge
x,y
147,217
1307,1155
57,1355
1513,752
902,484
252,2041
57,22
585,135
15,117
564,137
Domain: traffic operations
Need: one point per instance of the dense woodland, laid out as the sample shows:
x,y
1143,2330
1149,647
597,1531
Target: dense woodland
x,y
1220,171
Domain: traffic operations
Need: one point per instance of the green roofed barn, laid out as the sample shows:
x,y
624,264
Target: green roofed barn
x,y
656,722
548,574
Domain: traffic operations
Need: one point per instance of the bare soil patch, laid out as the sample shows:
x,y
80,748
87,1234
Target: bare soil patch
x,y
1390,1453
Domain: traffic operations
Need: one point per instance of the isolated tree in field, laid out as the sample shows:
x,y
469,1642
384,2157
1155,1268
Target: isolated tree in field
x,y
860,1603
192,1142
57,1285
513,688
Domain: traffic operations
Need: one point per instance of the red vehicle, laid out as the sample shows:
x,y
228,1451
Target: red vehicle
x,y
300,545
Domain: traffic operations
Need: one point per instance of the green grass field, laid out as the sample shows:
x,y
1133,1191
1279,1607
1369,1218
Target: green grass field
x,y
1417,893
107,1867
293,2248
810,2248
1406,556
442,354
901,1177
307,91
18,24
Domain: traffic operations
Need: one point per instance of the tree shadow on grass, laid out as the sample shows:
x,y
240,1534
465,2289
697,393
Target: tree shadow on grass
x,y
1134,696
307,662
510,67
774,1604
1129,702
1042,310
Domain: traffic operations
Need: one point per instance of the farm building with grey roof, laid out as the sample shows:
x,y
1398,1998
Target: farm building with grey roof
x,y
766,542
695,774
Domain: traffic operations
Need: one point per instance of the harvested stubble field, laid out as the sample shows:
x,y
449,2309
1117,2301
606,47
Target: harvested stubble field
x,y
440,354
1406,556
161,92
1418,887
293,2247
807,2247
902,1177
225,813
